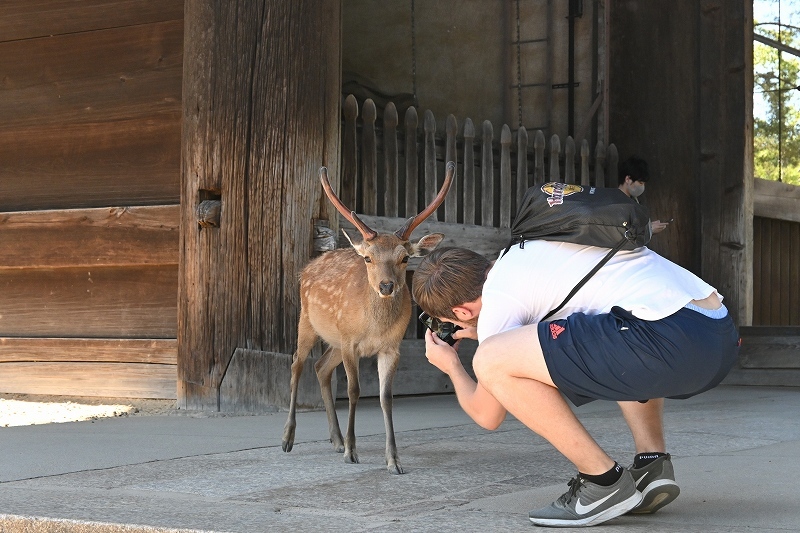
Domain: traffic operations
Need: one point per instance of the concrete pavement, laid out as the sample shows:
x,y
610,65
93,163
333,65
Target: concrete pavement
x,y
735,451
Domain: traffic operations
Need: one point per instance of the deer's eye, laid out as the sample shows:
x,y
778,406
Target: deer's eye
x,y
405,260
367,259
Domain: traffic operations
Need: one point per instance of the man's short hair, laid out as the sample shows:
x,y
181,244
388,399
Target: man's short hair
x,y
636,168
448,277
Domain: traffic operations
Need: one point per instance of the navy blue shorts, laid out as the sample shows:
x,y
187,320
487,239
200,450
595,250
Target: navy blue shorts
x,y
618,357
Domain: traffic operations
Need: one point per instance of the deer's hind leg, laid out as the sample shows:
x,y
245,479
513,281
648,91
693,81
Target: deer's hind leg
x,y
387,368
306,337
325,367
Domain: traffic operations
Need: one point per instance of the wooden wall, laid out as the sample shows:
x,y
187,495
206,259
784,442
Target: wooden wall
x,y
90,134
684,104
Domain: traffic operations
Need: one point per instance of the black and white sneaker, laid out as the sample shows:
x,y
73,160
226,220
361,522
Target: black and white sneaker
x,y
589,504
656,482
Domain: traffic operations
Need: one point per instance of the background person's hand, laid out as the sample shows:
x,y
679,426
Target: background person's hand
x,y
656,226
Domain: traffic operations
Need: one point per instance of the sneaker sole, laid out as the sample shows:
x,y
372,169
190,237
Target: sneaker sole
x,y
657,495
612,512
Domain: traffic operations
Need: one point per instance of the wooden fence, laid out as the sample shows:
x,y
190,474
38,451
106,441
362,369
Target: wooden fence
x,y
391,169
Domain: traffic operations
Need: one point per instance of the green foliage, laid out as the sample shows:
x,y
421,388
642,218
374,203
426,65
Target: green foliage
x,y
776,121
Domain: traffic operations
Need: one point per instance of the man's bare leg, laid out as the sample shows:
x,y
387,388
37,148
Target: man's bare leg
x,y
646,421
511,367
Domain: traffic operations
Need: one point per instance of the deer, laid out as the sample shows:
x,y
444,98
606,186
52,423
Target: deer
x,y
357,300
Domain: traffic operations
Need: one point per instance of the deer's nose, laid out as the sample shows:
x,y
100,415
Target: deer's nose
x,y
386,287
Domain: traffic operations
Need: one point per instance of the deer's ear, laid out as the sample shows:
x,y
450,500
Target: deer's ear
x,y
427,244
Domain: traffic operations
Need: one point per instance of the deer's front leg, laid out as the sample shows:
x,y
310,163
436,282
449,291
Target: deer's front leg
x,y
387,368
353,391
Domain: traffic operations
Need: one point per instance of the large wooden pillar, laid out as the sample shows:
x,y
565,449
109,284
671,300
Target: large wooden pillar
x,y
260,116
680,95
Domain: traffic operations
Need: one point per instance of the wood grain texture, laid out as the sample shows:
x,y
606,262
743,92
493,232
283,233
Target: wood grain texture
x,y
112,380
28,350
27,19
261,115
91,119
89,302
773,199
90,237
770,347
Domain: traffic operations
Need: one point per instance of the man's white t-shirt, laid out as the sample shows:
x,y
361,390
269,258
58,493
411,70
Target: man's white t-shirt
x,y
526,283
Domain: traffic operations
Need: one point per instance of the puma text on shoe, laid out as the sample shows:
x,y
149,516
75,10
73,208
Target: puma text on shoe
x,y
656,482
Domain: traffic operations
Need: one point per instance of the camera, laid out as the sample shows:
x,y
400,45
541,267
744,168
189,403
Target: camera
x,y
443,330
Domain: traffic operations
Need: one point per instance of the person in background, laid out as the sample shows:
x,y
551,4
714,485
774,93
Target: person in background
x,y
633,174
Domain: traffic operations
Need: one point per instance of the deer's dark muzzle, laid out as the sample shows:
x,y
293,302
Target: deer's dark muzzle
x,y
386,288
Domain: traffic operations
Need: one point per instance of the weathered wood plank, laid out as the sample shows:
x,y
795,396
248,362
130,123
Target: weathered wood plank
x,y
91,78
391,166
487,197
451,208
773,199
128,162
569,160
431,182
349,153
81,302
471,214
369,159
260,116
770,347
258,382
114,380
412,162
29,350
505,177
523,181
90,237
26,19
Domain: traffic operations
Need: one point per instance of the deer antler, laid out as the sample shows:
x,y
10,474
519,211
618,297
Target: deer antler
x,y
405,232
365,230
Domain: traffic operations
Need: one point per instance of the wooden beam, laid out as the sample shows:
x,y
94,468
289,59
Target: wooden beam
x,y
261,98
770,347
26,19
29,350
125,162
773,199
114,236
111,380
130,302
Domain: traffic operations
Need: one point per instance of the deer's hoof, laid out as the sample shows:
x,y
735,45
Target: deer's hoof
x,y
395,469
287,445
351,458
338,445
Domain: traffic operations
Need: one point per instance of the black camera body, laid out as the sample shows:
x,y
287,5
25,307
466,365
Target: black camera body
x,y
443,330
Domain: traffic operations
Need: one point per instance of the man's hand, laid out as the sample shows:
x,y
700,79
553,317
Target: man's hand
x,y
440,354
466,333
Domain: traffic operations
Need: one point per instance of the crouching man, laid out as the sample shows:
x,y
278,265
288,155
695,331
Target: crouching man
x,y
640,330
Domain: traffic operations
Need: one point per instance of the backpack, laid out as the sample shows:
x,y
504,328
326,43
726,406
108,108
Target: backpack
x,y
604,217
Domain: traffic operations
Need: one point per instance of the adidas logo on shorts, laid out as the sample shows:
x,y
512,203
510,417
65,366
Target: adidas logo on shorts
x,y
556,330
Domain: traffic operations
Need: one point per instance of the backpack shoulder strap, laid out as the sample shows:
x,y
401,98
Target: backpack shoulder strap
x,y
586,278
